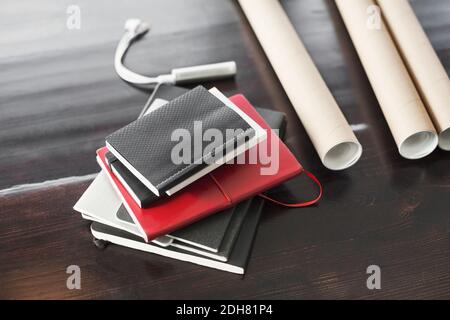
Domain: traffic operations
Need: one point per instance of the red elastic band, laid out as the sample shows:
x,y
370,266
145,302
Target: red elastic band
x,y
300,204
222,190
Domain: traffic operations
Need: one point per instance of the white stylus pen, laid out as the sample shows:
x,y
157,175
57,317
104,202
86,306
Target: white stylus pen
x,y
135,28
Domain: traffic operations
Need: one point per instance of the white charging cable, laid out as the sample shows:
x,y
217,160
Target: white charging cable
x,y
135,28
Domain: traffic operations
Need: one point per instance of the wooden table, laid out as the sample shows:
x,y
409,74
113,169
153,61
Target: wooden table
x,y
59,98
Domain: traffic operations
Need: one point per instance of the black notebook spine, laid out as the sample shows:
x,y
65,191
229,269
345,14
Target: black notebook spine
x,y
145,145
140,193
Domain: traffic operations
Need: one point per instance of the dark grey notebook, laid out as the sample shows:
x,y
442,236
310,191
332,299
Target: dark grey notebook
x,y
207,234
146,146
237,259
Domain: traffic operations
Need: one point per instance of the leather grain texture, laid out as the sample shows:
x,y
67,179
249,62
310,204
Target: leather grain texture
x,y
147,142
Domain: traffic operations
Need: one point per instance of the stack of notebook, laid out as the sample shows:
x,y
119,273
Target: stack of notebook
x,y
169,186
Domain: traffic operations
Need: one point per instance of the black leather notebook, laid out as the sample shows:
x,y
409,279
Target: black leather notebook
x,y
146,146
140,193
238,257
207,234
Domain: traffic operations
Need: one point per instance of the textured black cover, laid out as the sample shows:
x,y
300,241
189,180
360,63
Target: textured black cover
x,y
146,143
134,185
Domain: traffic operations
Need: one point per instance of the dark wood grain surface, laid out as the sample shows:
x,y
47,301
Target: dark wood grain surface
x,y
59,98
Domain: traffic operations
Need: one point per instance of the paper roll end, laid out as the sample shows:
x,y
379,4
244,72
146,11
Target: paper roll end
x,y
444,139
342,155
418,145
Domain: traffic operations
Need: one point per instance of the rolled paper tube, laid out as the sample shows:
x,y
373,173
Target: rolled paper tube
x,y
324,122
423,64
399,100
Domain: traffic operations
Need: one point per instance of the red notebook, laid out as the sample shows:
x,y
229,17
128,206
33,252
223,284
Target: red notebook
x,y
224,187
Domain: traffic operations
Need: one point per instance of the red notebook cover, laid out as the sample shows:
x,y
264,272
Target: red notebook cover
x,y
224,187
